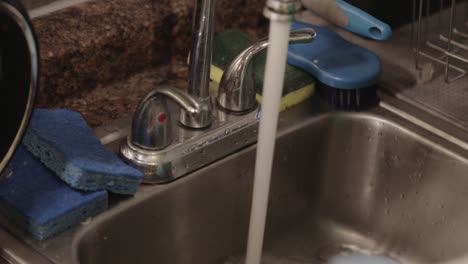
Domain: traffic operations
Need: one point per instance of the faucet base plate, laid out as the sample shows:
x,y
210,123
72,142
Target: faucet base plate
x,y
193,149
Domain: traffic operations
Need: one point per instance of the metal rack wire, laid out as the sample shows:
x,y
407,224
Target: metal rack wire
x,y
440,35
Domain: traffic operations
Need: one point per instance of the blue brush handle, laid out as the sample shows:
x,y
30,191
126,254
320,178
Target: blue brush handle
x,y
364,24
334,61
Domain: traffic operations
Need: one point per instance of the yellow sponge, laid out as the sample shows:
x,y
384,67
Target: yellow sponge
x,y
298,86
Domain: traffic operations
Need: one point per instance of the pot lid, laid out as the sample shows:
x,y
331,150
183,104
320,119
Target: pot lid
x,y
19,70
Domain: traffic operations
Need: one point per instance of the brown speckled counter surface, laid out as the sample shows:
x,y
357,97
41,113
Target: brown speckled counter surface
x,y
101,57
119,99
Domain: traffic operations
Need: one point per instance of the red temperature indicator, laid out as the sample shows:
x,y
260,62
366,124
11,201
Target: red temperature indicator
x,y
162,118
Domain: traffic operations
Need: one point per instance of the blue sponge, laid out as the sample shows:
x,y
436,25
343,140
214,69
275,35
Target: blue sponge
x,y
62,140
34,198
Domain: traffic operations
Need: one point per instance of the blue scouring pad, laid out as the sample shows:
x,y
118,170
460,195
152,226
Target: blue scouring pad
x,y
34,198
62,140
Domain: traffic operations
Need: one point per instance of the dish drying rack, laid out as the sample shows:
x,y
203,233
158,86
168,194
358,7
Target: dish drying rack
x,y
432,59
439,33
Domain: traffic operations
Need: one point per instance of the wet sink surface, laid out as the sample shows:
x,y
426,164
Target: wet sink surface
x,y
366,182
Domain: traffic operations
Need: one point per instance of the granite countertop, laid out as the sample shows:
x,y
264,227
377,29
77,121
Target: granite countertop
x,y
101,57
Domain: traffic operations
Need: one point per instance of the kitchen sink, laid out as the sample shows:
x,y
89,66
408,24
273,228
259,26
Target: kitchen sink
x,y
371,183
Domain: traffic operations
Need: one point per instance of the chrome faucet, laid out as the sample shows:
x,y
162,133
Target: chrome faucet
x,y
237,90
166,149
200,62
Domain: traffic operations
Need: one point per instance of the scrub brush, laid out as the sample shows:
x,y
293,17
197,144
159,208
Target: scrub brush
x,y
350,18
347,74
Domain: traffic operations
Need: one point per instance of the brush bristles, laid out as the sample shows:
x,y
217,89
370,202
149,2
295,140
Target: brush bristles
x,y
349,99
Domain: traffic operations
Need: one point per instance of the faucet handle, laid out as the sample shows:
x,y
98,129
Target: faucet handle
x,y
237,90
151,128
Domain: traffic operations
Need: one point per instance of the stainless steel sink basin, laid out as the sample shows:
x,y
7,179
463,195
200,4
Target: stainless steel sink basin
x,y
368,182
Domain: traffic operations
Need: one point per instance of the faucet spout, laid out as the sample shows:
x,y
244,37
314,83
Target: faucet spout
x,y
200,58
